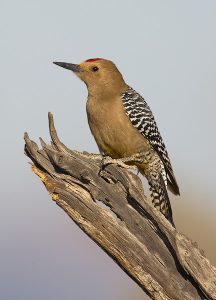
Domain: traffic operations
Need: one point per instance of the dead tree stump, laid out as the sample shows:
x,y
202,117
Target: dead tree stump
x,y
164,263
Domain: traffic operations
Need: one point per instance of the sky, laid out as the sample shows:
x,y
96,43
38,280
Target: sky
x,y
166,51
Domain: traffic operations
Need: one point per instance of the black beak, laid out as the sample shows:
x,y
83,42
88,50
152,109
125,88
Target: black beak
x,y
72,67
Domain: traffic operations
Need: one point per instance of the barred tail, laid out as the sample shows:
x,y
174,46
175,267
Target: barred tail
x,y
160,198
159,194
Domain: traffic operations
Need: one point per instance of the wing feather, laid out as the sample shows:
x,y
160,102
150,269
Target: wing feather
x,y
142,118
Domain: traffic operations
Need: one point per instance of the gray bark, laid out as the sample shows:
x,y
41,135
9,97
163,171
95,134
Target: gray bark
x,y
110,207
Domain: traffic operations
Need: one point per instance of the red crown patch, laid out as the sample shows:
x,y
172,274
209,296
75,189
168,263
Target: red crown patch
x,y
93,59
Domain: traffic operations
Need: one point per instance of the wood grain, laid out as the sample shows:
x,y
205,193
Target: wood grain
x,y
111,208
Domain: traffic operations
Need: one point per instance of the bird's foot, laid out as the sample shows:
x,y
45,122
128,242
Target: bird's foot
x,y
121,162
139,157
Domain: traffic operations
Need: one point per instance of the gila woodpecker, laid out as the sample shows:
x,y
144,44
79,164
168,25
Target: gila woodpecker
x,y
124,127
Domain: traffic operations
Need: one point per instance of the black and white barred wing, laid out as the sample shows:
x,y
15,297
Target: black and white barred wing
x,y
142,118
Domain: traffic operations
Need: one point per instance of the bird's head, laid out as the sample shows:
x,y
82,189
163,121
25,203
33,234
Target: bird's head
x,y
98,74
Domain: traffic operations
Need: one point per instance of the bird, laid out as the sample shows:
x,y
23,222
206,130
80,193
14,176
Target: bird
x,y
125,129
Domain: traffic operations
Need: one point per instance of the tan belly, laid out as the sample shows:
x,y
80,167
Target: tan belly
x,y
113,131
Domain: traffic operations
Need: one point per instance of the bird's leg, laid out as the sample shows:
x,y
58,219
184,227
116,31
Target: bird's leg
x,y
107,160
139,157
122,162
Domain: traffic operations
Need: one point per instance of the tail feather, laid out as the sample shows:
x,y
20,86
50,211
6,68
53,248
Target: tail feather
x,y
157,180
160,198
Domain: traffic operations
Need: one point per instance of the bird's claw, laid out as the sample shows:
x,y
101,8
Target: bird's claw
x,y
107,160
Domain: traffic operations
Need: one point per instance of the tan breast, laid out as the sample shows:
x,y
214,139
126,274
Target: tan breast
x,y
112,129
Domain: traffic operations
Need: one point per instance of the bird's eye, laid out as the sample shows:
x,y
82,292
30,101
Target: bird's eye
x,y
95,69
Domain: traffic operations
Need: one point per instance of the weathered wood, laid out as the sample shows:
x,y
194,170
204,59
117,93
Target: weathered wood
x,y
110,207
